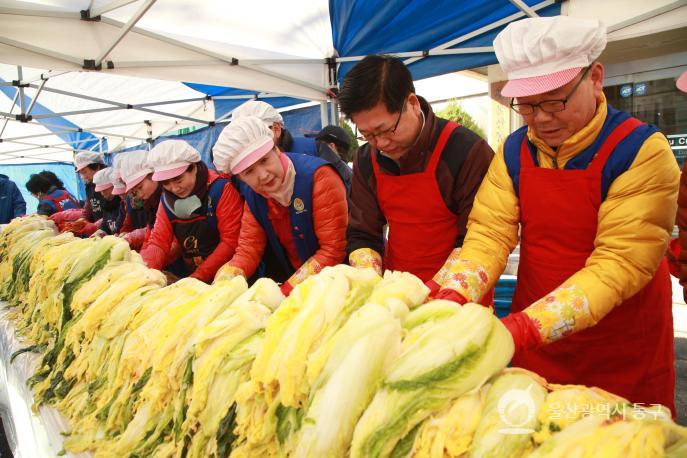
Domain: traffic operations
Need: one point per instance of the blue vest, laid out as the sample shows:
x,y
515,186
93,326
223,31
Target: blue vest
x,y
60,199
620,160
300,211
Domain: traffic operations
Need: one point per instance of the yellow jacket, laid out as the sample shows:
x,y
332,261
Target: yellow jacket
x,y
635,222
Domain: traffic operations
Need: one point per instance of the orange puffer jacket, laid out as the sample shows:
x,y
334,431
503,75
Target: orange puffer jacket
x,y
330,218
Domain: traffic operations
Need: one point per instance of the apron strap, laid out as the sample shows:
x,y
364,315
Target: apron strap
x,y
526,161
619,134
436,152
441,143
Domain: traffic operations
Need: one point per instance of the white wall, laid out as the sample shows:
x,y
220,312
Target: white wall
x,y
656,15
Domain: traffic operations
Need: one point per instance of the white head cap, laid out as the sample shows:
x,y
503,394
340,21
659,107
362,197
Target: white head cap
x,y
171,158
134,167
241,144
259,109
86,158
103,179
542,54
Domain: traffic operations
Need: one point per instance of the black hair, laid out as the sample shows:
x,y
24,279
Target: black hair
x,y
96,167
376,78
38,184
52,178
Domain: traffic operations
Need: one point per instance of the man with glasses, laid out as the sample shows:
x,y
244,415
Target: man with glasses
x,y
418,174
593,191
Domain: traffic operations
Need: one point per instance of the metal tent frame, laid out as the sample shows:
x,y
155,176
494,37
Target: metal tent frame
x,y
257,72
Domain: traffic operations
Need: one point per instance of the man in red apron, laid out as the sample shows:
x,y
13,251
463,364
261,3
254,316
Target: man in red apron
x,y
418,173
593,191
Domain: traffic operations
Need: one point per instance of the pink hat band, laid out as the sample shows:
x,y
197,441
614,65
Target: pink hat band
x,y
252,157
119,190
681,82
535,85
103,186
168,174
131,183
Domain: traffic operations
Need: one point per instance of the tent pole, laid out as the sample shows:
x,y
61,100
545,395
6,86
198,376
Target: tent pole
x,y
45,52
487,28
52,145
332,112
119,104
14,103
110,7
35,97
335,109
522,6
40,13
127,27
22,101
323,114
76,112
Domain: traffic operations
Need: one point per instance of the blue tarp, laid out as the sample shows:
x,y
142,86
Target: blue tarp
x,y
224,106
20,173
361,28
299,122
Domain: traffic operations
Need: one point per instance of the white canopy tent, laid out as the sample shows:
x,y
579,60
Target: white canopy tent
x,y
114,69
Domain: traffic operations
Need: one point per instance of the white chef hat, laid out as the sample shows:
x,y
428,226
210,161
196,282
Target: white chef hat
x,y
171,158
103,179
134,167
241,144
86,158
544,53
259,109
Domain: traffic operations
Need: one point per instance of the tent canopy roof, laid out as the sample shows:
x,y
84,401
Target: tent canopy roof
x,y
124,53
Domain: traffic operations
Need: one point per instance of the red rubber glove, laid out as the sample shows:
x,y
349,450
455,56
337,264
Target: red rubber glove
x,y
88,229
286,288
525,333
66,216
434,288
451,295
135,238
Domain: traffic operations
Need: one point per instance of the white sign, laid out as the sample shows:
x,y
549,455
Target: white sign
x,y
677,141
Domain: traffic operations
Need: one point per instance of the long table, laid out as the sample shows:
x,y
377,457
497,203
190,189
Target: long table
x,y
29,435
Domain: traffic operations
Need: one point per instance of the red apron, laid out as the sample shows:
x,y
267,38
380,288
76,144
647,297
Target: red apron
x,y
630,351
422,230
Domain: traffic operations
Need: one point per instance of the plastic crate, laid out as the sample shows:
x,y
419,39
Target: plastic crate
x,y
503,295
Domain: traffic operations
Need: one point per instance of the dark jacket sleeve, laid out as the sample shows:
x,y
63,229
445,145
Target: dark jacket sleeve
x,y
18,202
87,212
365,219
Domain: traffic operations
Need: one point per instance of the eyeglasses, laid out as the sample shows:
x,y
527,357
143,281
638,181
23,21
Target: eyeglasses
x,y
388,132
547,106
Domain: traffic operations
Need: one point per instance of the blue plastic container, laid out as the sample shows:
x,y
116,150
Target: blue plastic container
x,y
503,295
